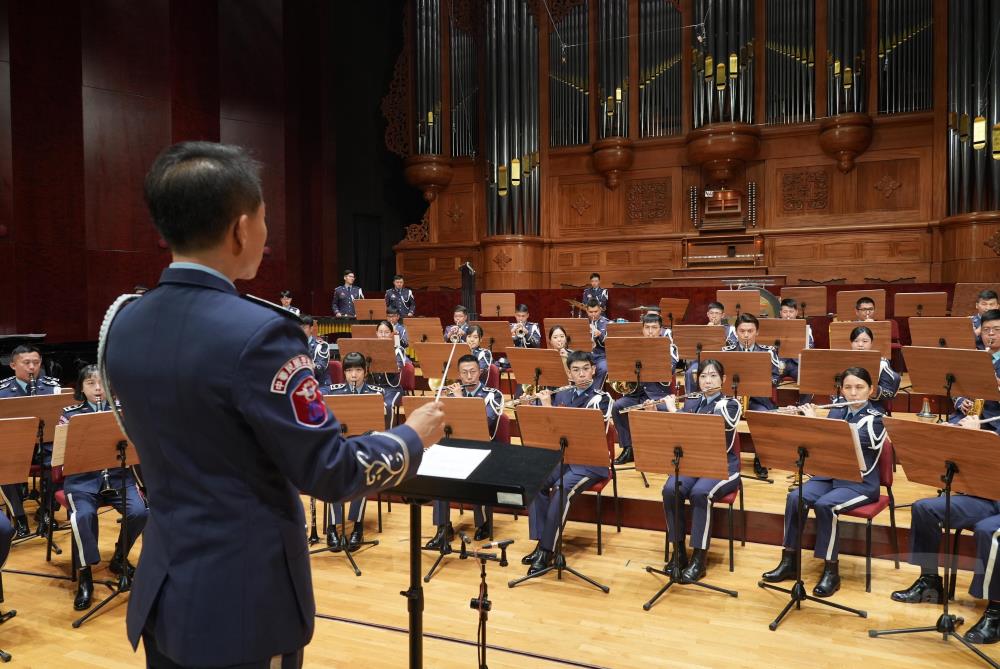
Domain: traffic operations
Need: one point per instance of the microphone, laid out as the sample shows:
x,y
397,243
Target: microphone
x,y
465,538
498,544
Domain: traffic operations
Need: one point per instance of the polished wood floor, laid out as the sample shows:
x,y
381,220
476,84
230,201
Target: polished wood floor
x,y
569,622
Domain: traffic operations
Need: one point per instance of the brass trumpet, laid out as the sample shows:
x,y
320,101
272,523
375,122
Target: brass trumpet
x,y
455,335
519,331
649,403
510,404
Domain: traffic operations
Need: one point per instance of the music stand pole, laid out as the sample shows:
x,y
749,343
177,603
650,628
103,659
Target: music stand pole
x,y
675,572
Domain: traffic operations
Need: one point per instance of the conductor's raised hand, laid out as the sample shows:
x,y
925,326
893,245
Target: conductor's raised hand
x,y
428,422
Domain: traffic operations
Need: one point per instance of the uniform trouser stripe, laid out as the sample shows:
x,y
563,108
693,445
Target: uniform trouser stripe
x,y
833,525
990,566
581,485
708,511
76,531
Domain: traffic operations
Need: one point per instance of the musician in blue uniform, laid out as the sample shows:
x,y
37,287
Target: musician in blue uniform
x,y
88,492
831,497
864,309
285,297
392,315
789,312
980,515
457,332
990,330
468,385
483,355
355,373
986,300
390,381
525,333
344,297
702,491
400,298
319,350
219,397
647,392
862,339
28,380
715,315
595,292
598,332
545,517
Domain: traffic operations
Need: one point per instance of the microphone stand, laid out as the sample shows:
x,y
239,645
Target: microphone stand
x,y
481,602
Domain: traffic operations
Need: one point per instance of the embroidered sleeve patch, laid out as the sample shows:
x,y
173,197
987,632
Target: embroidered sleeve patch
x,y
307,403
279,384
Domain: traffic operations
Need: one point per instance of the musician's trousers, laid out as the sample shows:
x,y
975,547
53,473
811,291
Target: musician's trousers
x,y
83,507
827,500
442,513
981,515
545,517
702,493
355,511
6,536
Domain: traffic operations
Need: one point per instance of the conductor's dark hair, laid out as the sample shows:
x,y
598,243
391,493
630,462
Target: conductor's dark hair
x,y
593,303
196,190
522,308
552,331
859,372
986,295
712,362
306,320
747,318
85,373
864,300
477,329
468,357
652,318
860,330
22,350
790,303
991,315
579,356
354,359
595,275
716,305
461,309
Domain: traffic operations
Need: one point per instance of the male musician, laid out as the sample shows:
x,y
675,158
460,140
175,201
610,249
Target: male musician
x,y
598,332
344,296
715,315
26,361
648,391
990,329
545,517
286,301
392,315
790,312
980,515
985,301
399,298
219,397
319,350
469,385
864,309
88,492
595,292
355,373
525,333
461,326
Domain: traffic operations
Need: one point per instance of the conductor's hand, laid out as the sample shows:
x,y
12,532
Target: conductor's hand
x,y
428,422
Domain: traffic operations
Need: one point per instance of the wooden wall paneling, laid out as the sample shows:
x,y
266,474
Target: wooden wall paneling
x,y
889,185
648,202
513,261
457,219
125,46
970,247
580,207
194,70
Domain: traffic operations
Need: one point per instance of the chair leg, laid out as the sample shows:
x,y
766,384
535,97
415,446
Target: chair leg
x,y
731,537
743,517
893,539
599,547
868,556
378,499
618,511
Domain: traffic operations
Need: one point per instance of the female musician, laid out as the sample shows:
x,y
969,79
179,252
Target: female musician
x,y
830,497
474,339
559,340
701,491
87,492
388,380
888,380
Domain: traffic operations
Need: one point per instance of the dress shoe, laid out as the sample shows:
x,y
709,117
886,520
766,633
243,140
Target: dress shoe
x,y
84,589
334,540
484,531
759,470
829,582
543,559
21,529
117,566
530,557
678,559
45,520
927,589
696,569
357,536
785,571
625,457
444,535
987,630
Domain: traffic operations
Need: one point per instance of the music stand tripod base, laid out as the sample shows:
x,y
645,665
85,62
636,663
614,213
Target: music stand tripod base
x,y
346,551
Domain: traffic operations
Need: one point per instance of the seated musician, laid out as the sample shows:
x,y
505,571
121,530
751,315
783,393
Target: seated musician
x,y
28,379
985,301
715,314
830,497
990,328
864,309
88,492
980,515
525,333
598,331
286,301
888,379
392,315
701,491
647,392
595,292
545,518
483,355
790,312
458,331
355,373
559,340
389,381
469,385
319,350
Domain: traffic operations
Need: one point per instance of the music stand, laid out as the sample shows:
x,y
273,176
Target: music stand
x,y
375,309
749,372
957,370
954,332
820,369
624,330
673,310
965,466
693,340
501,304
696,440
639,359
789,335
380,354
846,299
363,413
543,365
95,442
495,333
362,331
740,301
840,334
824,447
806,295
963,302
580,437
578,330
433,358
920,305
424,330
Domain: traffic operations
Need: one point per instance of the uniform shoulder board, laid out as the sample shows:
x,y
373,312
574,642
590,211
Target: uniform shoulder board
x,y
49,381
337,386
766,347
277,308
692,396
873,411
378,389
729,346
74,407
6,382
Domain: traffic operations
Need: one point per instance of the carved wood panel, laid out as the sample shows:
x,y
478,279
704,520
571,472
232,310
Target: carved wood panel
x,y
887,185
805,191
648,201
580,206
456,216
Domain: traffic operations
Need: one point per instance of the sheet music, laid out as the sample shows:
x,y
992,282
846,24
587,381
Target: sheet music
x,y
450,462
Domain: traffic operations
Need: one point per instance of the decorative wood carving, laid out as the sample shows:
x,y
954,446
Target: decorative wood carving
x,y
845,137
722,148
431,173
395,104
455,212
420,232
805,191
580,204
648,200
994,242
887,186
502,259
612,156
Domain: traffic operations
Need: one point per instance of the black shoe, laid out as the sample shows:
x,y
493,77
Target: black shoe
x,y
84,589
117,566
334,540
45,520
759,470
484,531
625,457
927,589
543,559
357,536
829,582
679,558
21,529
785,571
530,557
987,630
444,535
696,569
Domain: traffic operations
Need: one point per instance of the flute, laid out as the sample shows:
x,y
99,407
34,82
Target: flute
x,y
528,398
649,403
790,409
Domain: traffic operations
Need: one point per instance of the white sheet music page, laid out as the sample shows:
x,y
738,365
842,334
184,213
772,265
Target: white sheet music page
x,y
450,462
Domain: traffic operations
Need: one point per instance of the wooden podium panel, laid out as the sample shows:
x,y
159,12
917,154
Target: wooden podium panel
x,y
497,305
578,330
811,299
673,306
380,354
840,334
361,331
973,372
424,330
752,367
953,332
846,299
920,305
498,332
369,310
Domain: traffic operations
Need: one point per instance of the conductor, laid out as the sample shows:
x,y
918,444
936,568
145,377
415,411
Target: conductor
x,y
219,397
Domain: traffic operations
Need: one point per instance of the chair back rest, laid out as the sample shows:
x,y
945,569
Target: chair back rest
x,y
336,372
885,462
503,429
493,376
737,446
612,437
408,377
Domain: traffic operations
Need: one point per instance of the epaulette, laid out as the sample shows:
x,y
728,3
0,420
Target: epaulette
x,y
692,396
766,347
873,411
73,407
49,381
277,308
378,389
337,386
730,346
4,383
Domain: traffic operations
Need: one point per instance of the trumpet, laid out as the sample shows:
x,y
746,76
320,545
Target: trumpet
x,y
510,404
454,334
650,403
519,331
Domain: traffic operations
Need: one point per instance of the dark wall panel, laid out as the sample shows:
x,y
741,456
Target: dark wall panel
x,y
126,46
194,70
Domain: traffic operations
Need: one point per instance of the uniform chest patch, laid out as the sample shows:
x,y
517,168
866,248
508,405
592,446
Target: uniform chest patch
x,y
279,384
307,403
